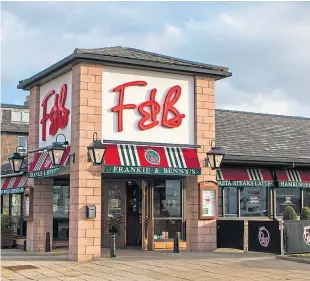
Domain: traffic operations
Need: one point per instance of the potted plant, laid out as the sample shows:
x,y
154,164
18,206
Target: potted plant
x,y
290,214
6,231
305,213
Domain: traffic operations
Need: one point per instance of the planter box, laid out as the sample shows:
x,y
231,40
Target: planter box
x,y
6,238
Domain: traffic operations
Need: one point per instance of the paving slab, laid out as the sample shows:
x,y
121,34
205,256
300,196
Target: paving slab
x,y
133,265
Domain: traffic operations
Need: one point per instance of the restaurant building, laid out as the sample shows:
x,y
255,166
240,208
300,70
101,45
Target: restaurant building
x,y
259,177
156,116
266,165
14,135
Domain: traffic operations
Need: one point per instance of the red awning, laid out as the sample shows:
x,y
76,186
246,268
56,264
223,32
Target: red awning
x,y
42,165
293,178
244,177
134,159
13,184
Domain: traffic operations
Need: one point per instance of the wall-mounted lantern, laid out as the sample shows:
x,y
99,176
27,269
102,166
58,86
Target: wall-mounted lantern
x,y
57,150
97,150
215,156
16,160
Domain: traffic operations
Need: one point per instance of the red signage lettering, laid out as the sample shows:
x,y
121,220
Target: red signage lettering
x,y
58,115
149,118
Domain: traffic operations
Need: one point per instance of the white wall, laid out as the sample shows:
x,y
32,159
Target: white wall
x,y
44,89
115,76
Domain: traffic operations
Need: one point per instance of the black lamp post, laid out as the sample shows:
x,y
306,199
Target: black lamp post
x,y
215,156
57,150
16,160
96,150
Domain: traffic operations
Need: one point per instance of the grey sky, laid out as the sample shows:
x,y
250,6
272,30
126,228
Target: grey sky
x,y
265,44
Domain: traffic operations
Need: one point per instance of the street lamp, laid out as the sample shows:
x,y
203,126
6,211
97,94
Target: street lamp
x,y
16,160
57,150
215,156
97,150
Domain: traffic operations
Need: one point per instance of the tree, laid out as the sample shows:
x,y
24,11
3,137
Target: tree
x,y
305,213
290,214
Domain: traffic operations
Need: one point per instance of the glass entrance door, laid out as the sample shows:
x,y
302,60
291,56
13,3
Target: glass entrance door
x,y
147,216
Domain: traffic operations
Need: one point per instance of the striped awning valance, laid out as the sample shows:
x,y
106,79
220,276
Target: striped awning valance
x,y
293,178
143,159
244,177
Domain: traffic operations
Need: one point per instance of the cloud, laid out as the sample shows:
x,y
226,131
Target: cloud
x,y
265,45
274,102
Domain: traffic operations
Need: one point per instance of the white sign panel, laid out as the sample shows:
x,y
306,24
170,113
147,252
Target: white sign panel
x,y
55,110
208,203
147,106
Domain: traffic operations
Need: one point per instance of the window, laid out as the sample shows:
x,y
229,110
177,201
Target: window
x,y
20,116
220,195
231,201
287,197
168,209
11,205
22,141
253,201
61,212
6,204
307,197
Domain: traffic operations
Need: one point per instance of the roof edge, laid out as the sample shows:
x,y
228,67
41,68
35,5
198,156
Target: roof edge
x,y
27,84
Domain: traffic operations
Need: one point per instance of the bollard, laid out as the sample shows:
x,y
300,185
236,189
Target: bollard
x,y
25,245
48,242
112,246
176,248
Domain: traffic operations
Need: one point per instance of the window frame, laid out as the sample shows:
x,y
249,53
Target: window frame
x,y
25,147
21,113
275,200
238,214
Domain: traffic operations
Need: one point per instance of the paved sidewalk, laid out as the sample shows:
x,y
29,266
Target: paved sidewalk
x,y
132,265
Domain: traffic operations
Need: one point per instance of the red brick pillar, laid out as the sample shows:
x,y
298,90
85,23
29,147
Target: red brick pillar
x,y
42,188
201,234
85,179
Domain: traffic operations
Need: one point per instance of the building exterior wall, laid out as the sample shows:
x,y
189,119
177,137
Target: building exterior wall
x,y
201,234
42,188
88,117
85,179
9,142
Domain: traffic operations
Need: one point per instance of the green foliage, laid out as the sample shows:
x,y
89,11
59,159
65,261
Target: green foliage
x,y
290,214
305,213
6,221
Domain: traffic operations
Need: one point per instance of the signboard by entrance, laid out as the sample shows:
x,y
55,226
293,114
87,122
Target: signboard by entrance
x,y
245,183
151,171
43,173
208,200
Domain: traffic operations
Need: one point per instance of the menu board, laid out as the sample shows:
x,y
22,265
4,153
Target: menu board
x,y
208,201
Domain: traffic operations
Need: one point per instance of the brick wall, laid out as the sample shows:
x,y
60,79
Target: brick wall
x,y
42,188
85,179
201,234
9,142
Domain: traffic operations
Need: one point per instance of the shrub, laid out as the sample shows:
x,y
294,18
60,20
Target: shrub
x,y
290,214
6,221
305,213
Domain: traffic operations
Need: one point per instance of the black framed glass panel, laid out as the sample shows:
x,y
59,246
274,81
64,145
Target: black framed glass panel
x,y
287,197
168,208
167,199
306,197
6,204
220,201
61,212
253,201
231,201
